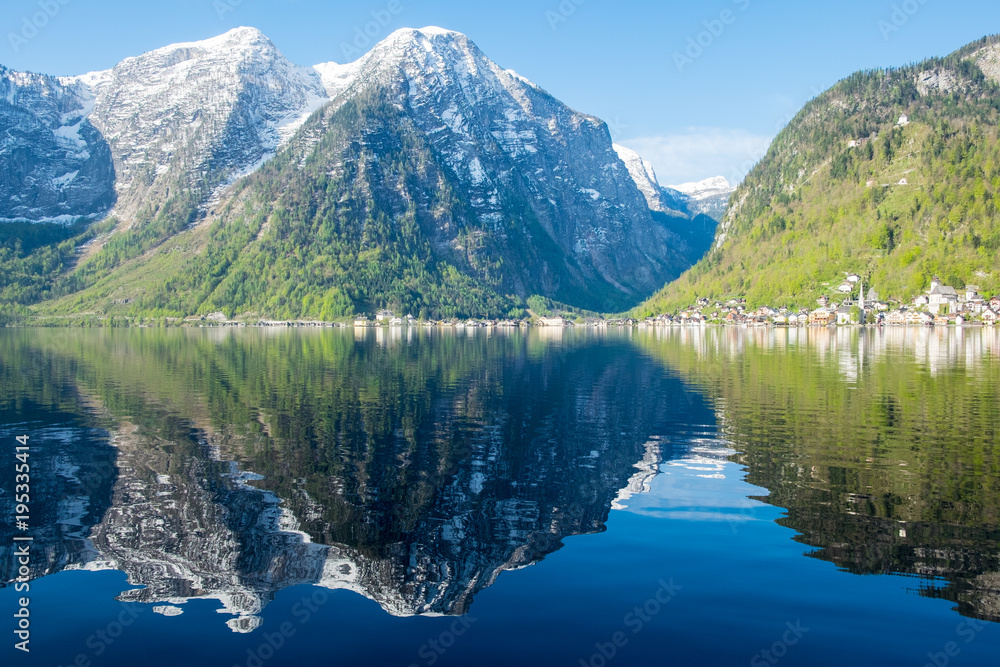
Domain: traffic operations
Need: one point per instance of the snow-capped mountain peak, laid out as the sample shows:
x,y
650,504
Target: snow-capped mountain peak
x,y
218,106
244,37
710,196
400,46
710,187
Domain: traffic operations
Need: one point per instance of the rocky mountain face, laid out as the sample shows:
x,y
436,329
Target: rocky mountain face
x,y
514,190
55,164
691,219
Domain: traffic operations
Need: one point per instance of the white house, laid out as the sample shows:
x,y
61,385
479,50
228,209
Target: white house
x,y
941,296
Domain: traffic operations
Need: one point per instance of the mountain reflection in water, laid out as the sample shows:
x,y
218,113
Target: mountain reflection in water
x,y
412,469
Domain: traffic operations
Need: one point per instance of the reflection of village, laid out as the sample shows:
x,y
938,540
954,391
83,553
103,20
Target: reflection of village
x,y
941,306
935,349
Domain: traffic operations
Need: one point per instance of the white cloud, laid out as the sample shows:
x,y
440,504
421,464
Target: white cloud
x,y
701,152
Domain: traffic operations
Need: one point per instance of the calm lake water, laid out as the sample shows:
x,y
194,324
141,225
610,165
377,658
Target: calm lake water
x,y
420,497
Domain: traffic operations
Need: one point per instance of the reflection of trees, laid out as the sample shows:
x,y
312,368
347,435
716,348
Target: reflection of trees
x,y
411,472
882,448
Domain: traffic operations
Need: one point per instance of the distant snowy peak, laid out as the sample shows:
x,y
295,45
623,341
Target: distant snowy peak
x,y
710,196
710,187
659,198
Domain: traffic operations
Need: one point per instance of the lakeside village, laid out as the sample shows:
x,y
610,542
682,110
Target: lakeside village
x,y
940,306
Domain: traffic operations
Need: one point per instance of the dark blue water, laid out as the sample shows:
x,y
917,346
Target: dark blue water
x,y
427,498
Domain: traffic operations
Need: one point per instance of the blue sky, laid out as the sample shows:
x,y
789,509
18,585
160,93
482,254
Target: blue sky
x,y
698,88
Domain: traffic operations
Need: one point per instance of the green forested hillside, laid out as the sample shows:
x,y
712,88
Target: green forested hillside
x,y
846,187
32,256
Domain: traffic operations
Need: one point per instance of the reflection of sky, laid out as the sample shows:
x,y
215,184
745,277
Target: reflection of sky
x,y
700,485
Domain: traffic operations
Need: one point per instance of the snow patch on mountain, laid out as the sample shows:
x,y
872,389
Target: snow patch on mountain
x,y
336,78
